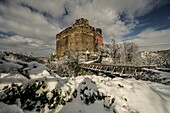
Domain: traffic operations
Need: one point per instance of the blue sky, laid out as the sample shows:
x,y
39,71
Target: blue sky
x,y
157,21
158,18
31,25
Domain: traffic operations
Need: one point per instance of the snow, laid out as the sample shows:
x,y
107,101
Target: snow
x,y
25,68
92,61
36,68
164,69
7,79
141,96
131,96
4,108
86,93
1,55
8,66
107,60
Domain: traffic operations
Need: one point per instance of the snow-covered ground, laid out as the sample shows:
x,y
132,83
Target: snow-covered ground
x,y
37,89
119,95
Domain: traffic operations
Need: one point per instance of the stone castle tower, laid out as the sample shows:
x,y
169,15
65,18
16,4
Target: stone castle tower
x,y
79,37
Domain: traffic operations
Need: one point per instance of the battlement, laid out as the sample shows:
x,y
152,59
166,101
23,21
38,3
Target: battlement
x,y
81,21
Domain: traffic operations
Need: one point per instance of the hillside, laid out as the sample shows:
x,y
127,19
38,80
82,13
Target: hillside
x,y
30,87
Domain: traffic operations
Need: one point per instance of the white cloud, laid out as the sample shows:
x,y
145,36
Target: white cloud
x,y
24,22
151,39
16,39
100,13
23,44
105,14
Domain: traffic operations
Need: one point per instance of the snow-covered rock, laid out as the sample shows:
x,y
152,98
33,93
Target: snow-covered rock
x,y
21,67
36,68
1,55
7,67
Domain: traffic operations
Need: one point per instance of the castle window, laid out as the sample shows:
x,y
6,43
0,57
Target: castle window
x,y
66,40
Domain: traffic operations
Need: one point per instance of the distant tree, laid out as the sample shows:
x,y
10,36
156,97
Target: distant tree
x,y
148,58
164,58
130,52
158,58
121,53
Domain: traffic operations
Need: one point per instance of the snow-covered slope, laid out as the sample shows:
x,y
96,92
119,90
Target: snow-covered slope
x,y
96,94
4,108
122,96
39,90
20,67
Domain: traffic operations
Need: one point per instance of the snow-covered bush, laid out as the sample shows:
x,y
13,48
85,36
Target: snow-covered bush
x,y
88,92
33,96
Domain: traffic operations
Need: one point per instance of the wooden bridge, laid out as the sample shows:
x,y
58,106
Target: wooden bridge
x,y
119,70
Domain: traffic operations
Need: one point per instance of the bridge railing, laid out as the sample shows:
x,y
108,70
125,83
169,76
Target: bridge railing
x,y
115,69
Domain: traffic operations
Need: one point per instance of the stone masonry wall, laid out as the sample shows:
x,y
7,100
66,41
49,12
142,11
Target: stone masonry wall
x,y
79,37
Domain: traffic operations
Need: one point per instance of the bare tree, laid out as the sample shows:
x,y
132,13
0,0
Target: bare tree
x,y
124,53
130,51
121,53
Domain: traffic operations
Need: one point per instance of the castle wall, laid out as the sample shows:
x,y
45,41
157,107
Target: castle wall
x,y
99,39
79,37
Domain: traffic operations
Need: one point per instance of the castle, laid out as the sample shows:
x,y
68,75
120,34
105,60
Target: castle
x,y
79,37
